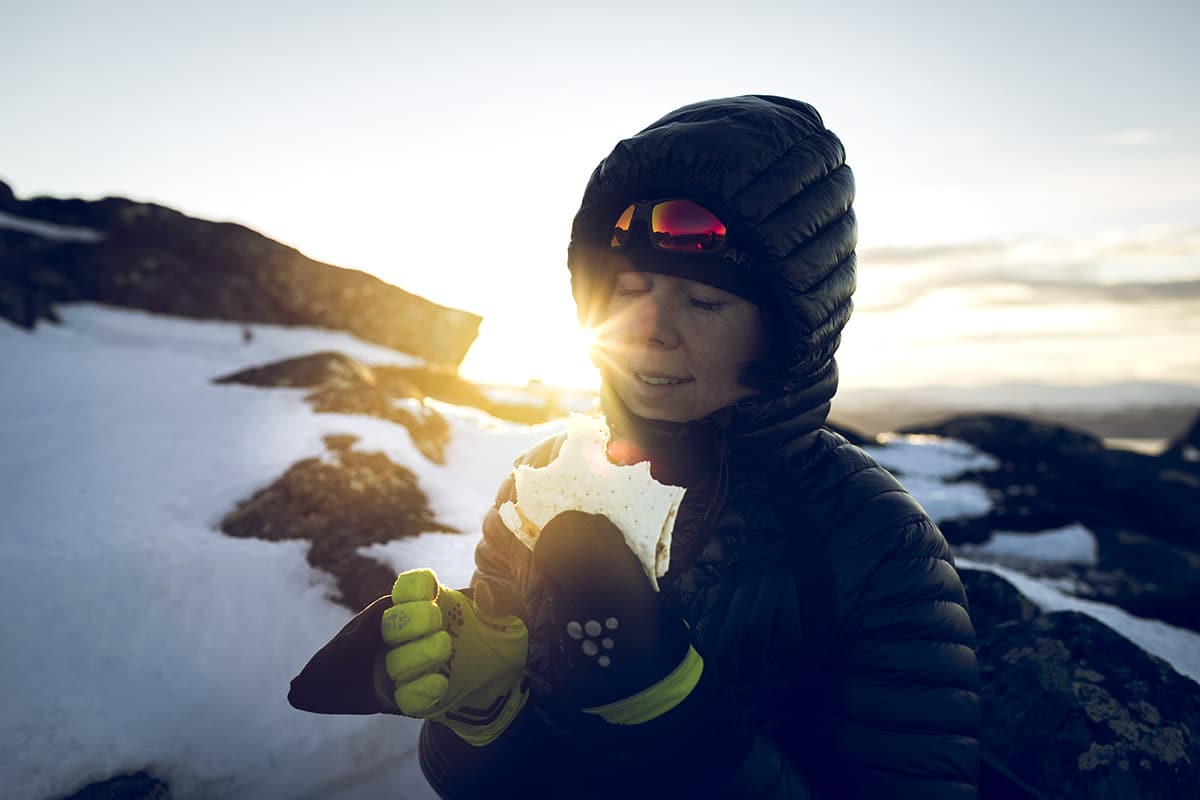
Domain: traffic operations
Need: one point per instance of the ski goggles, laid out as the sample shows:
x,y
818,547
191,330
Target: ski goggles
x,y
675,226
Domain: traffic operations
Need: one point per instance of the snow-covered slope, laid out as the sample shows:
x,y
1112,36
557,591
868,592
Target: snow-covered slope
x,y
137,636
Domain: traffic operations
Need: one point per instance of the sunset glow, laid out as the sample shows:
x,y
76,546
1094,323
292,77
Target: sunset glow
x,y
1025,190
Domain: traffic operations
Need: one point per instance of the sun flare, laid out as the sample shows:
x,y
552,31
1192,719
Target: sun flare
x,y
557,356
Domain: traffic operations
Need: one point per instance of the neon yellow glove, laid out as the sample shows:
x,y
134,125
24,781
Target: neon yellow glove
x,y
451,662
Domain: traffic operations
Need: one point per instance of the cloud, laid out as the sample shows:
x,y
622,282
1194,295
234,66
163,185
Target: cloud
x,y
1040,291
901,256
1155,265
1055,292
1155,241
1135,137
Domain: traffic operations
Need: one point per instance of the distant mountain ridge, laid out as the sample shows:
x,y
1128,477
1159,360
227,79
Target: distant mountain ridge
x,y
150,257
1126,409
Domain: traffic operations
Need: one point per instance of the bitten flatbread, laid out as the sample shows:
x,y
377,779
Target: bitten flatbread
x,y
581,478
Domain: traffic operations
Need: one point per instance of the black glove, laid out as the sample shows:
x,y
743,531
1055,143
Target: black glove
x,y
619,652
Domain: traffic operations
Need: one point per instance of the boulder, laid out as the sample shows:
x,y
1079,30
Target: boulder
x,y
146,256
339,503
1076,710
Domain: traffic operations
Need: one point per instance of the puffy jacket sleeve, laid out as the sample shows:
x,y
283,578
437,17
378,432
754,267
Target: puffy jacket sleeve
x,y
901,700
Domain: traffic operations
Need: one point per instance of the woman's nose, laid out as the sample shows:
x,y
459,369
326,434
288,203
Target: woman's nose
x,y
654,322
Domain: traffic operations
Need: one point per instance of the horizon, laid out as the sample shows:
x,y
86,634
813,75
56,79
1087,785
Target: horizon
x,y
1027,204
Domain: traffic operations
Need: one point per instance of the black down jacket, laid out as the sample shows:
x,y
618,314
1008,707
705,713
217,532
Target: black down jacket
x,y
838,650
829,614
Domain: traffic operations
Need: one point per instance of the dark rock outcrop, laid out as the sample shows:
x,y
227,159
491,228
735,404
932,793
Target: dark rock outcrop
x,y
1050,476
852,435
1145,576
993,600
1077,710
146,256
1143,510
342,385
428,429
306,372
134,786
340,503
1184,451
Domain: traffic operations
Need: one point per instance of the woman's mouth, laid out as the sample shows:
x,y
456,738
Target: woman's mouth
x,y
659,380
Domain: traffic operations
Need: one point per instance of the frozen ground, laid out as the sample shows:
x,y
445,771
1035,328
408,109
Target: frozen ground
x,y
137,636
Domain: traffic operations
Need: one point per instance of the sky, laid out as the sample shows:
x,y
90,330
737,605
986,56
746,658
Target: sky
x,y
128,648
1028,174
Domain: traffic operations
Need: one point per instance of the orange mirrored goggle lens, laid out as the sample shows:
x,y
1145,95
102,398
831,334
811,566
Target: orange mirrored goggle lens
x,y
677,226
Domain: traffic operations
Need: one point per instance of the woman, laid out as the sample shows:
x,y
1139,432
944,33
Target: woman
x,y
811,637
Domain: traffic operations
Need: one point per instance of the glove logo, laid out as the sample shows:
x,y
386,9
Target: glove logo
x,y
396,623
587,633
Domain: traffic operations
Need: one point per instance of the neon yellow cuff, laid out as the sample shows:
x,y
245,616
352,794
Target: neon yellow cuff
x,y
659,698
481,727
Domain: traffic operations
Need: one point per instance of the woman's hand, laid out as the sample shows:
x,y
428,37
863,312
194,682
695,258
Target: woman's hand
x,y
450,661
622,654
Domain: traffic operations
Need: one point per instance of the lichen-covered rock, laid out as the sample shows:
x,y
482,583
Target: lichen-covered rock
x,y
341,502
305,372
1077,710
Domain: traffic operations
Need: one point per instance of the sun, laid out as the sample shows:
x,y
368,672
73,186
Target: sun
x,y
513,352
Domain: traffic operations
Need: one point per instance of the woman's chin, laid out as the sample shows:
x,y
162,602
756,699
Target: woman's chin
x,y
662,402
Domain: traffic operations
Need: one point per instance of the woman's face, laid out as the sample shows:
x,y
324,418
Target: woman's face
x,y
673,349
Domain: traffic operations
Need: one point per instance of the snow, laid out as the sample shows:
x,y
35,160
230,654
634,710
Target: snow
x,y
1072,544
137,636
927,465
49,230
933,456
